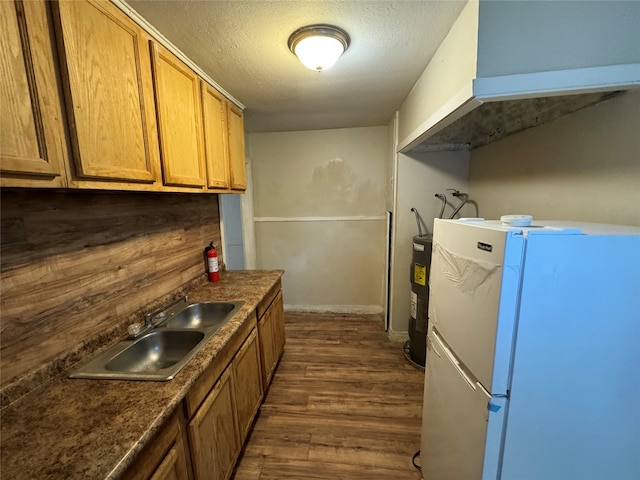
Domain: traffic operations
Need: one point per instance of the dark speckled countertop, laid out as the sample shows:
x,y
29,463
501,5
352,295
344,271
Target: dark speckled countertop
x,y
93,429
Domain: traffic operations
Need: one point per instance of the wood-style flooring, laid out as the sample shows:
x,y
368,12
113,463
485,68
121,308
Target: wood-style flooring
x,y
344,404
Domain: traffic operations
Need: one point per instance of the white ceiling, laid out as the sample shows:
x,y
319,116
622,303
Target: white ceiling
x,y
242,45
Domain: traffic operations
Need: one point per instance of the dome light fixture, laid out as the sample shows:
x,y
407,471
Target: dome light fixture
x,y
319,47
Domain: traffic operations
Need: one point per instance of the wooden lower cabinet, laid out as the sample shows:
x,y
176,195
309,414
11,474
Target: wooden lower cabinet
x,y
221,424
213,433
247,376
279,335
220,408
164,458
271,334
173,467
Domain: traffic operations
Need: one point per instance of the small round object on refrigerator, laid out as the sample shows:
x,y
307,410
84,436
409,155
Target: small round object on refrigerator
x,y
516,220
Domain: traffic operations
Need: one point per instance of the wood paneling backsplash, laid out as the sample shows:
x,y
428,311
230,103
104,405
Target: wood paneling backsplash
x,y
72,263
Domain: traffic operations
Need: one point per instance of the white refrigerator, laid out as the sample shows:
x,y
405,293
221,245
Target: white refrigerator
x,y
533,352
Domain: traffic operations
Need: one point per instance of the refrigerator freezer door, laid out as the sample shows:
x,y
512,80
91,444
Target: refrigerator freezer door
x,y
475,278
462,424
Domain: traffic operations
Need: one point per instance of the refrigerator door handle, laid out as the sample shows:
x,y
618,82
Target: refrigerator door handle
x,y
472,382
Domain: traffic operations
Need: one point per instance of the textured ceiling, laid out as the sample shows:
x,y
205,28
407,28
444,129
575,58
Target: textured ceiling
x,y
242,45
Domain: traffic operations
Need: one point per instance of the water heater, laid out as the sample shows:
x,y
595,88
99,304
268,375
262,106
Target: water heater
x,y
418,320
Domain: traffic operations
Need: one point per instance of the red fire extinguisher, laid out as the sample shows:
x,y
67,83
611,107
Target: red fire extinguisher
x,y
212,263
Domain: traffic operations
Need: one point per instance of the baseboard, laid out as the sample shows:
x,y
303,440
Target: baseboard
x,y
355,309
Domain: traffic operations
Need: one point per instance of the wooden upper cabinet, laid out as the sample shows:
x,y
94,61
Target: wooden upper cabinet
x,y
238,174
32,142
177,89
216,139
105,63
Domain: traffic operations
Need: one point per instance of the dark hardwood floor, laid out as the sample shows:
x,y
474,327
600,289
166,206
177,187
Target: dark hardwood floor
x,y
344,404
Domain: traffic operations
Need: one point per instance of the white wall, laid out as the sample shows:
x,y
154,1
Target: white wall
x,y
419,177
535,36
584,166
319,206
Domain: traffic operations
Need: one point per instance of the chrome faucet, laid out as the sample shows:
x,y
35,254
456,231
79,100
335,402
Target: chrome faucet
x,y
153,319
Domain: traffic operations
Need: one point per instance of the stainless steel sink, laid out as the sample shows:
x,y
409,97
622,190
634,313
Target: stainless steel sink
x,y
155,351
201,315
166,345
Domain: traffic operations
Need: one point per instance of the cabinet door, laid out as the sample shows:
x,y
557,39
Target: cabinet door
x,y
163,457
173,467
32,144
267,347
107,82
213,433
278,313
271,334
248,383
236,148
179,120
214,107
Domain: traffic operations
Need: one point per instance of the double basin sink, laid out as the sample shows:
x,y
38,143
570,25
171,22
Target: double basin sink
x,y
169,339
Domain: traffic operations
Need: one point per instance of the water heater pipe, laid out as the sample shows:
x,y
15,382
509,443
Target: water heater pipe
x,y
417,220
459,194
443,198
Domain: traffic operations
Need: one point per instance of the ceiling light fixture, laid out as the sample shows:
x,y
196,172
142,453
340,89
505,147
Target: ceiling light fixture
x,y
319,46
